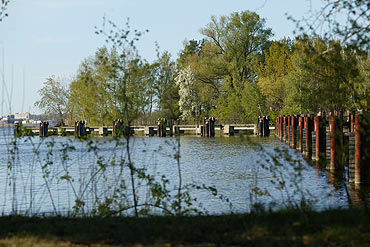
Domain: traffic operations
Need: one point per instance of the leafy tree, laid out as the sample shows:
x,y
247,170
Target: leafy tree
x,y
188,93
208,69
272,73
223,64
165,89
322,76
241,39
93,92
54,98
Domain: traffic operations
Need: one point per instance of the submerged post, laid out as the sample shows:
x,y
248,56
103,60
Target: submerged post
x,y
362,150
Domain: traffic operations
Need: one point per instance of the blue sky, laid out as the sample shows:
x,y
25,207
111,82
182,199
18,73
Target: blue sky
x,y
41,38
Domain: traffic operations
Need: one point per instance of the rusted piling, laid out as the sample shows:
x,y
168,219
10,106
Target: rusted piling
x,y
208,127
17,130
351,148
284,128
80,128
294,123
43,129
263,126
289,130
161,127
362,150
306,133
318,138
336,152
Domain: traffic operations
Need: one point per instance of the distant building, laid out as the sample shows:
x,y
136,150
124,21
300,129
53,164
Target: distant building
x,y
23,117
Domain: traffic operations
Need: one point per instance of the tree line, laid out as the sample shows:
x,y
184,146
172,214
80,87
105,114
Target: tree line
x,y
236,72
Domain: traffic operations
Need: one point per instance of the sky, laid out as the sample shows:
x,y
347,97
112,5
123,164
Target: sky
x,y
42,38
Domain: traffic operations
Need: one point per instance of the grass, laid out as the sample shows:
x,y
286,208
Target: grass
x,y
282,228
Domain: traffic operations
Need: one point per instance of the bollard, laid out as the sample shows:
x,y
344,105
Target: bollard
x,y
267,127
284,128
300,133
288,130
294,131
306,144
43,129
159,128
260,126
318,139
362,150
332,142
17,130
281,128
212,131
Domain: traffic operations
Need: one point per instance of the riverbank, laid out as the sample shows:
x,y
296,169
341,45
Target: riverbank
x,y
282,228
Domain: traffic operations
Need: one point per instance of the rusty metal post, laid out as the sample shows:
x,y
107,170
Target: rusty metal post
x,y
293,123
307,137
300,133
357,150
284,128
315,156
362,150
288,128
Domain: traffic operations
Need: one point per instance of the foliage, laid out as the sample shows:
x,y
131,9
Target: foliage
x,y
188,93
344,20
272,73
3,7
321,79
223,64
54,98
162,80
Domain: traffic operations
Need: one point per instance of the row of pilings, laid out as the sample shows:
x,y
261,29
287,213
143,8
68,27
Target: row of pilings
x,y
337,140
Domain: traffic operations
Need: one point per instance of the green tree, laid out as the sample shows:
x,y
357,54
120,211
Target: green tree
x,y
54,98
272,73
322,76
94,92
223,65
241,39
165,89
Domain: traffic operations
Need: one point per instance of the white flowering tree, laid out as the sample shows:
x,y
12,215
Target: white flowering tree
x,y
187,91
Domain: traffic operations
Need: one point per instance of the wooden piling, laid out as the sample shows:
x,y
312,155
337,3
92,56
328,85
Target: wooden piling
x,y
362,150
307,147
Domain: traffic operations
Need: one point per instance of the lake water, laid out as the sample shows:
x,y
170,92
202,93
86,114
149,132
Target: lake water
x,y
48,175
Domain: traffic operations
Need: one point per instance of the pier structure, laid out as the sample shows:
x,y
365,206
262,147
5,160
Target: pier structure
x,y
336,140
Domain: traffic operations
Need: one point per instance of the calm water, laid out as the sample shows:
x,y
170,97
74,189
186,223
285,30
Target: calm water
x,y
38,177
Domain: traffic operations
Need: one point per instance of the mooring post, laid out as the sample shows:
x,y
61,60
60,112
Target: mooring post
x,y
284,128
159,129
267,126
316,137
41,129
362,150
281,127
332,142
212,127
300,133
352,123
163,127
43,132
294,124
307,151
289,130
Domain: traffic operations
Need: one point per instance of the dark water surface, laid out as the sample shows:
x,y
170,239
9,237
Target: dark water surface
x,y
37,176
